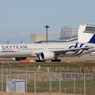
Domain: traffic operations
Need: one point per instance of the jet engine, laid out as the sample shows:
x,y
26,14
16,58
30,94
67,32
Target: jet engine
x,y
46,55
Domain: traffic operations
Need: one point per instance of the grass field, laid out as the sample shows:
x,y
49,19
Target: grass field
x,y
53,65
66,87
50,64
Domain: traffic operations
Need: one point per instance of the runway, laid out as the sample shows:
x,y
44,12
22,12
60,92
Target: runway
x,y
83,58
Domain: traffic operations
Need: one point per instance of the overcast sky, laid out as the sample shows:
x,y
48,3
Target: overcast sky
x,y
20,18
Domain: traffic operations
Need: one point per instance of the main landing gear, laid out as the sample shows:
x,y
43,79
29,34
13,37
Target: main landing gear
x,y
40,60
56,60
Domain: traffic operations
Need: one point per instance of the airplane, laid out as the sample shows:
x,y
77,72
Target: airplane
x,y
51,51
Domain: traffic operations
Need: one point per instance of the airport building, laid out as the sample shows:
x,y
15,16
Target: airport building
x,y
67,34
38,38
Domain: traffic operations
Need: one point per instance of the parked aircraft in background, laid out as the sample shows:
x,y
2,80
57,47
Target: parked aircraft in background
x,y
51,51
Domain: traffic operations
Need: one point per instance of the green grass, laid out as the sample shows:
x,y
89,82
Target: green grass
x,y
53,65
50,64
66,87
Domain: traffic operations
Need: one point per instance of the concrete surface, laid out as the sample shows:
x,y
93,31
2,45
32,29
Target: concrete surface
x,y
63,59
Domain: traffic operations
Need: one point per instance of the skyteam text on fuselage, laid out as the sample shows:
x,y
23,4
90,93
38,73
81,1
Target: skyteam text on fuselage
x,y
6,47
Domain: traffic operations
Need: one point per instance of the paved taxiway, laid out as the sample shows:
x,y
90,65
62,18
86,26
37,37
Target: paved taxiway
x,y
63,59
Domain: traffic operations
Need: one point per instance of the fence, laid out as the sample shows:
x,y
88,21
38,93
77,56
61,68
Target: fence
x,y
48,82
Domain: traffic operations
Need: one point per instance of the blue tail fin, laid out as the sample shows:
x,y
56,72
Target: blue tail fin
x,y
92,40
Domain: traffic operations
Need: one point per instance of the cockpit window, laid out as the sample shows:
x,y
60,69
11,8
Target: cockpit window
x,y
88,28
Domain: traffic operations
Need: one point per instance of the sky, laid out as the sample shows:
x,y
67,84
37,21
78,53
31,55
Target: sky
x,y
20,18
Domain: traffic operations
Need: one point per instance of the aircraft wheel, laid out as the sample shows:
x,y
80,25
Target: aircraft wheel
x,y
56,60
40,61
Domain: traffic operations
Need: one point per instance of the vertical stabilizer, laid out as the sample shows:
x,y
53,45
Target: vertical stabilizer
x,y
86,33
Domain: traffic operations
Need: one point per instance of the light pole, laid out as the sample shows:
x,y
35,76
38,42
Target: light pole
x,y
21,42
7,42
46,32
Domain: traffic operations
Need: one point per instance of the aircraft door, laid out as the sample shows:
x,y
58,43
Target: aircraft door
x,y
45,48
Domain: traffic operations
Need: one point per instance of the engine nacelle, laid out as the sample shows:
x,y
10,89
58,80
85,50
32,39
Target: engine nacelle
x,y
46,55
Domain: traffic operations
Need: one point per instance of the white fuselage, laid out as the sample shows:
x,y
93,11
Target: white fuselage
x,y
29,50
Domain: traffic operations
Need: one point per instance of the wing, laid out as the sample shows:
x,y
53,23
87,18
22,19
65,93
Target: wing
x,y
74,49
